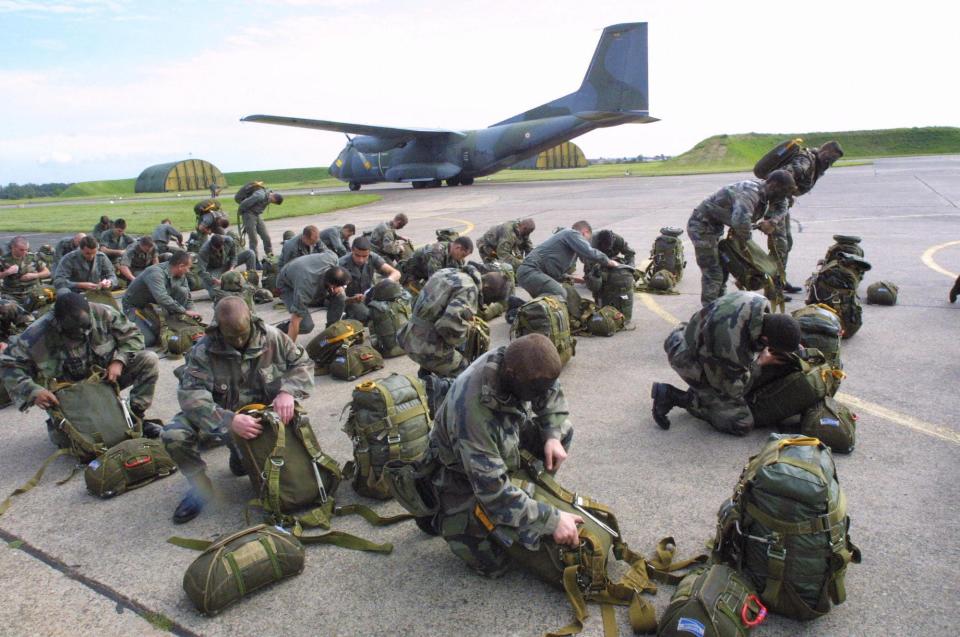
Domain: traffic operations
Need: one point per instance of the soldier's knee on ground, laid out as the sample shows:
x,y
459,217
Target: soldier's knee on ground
x,y
479,550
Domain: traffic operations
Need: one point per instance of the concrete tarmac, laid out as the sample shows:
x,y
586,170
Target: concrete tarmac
x,y
901,481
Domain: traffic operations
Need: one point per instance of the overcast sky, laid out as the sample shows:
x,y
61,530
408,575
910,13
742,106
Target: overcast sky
x,y
100,89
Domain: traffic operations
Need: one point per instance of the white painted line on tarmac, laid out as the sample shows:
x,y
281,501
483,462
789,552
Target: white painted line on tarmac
x,y
881,218
928,261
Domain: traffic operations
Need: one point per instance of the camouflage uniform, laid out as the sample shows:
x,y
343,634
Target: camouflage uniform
x,y
156,285
42,354
504,243
251,212
23,292
362,279
477,436
73,269
620,250
426,261
716,354
440,321
295,247
806,169
738,206
164,235
544,268
301,285
216,380
211,264
387,243
136,259
332,238
13,318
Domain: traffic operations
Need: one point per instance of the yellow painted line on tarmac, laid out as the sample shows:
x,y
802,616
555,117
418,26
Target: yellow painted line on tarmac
x,y
470,226
920,426
928,261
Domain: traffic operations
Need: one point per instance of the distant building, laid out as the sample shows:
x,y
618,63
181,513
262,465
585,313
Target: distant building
x,y
566,155
188,174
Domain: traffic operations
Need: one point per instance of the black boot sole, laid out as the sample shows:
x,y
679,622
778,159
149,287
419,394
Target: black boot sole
x,y
661,419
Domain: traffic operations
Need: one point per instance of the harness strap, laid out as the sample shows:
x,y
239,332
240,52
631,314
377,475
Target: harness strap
x,y
32,482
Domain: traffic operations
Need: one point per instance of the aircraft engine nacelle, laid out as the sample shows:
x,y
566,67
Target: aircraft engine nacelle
x,y
371,144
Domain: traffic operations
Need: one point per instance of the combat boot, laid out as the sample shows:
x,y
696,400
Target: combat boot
x,y
791,288
152,427
201,491
666,397
955,291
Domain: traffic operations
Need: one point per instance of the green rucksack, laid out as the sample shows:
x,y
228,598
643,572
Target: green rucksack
x,y
293,478
477,342
713,601
247,189
127,466
270,265
353,361
882,293
205,206
846,244
579,309
606,321
836,285
831,422
323,347
789,389
617,290
749,264
447,234
786,528
661,281
667,254
390,310
176,333
388,420
777,157
548,316
194,282
821,328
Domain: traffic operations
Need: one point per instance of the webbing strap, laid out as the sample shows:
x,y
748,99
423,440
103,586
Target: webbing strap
x,y
190,543
272,470
237,574
370,516
393,422
577,602
347,541
819,524
32,482
609,621
268,547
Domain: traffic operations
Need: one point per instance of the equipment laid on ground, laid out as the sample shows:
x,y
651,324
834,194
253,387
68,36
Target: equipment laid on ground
x,y
845,244
355,360
390,310
546,315
713,601
666,260
821,328
832,422
787,390
616,290
835,284
882,293
606,321
323,347
128,465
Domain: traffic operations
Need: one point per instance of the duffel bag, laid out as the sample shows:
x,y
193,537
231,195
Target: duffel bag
x,y
832,423
714,601
821,329
617,290
882,293
323,347
788,390
128,466
353,361
606,321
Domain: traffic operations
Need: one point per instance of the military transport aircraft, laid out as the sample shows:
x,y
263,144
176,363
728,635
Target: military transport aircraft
x,y
613,92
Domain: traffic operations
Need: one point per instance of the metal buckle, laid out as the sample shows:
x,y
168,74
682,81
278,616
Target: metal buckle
x,y
394,439
277,462
775,553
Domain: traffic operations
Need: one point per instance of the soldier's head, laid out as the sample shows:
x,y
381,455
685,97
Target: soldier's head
x,y
145,244
780,332
77,237
829,153
166,222
71,311
234,322
179,263
583,227
105,221
399,221
89,246
603,240
461,248
347,230
779,184
275,197
220,225
19,247
531,365
494,287
311,235
216,242
287,235
526,226
360,251
336,280
119,227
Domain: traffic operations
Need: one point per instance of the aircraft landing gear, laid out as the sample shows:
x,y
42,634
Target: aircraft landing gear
x,y
466,181
436,183
354,186
454,181
418,184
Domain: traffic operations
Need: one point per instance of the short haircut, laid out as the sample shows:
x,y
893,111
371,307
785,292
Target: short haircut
x,y
104,219
495,287
179,258
603,240
336,277
400,218
464,242
311,231
146,241
833,148
782,332
89,241
120,223
782,181
277,198
70,304
360,243
18,240
223,222
528,223
216,241
349,227
582,225
166,221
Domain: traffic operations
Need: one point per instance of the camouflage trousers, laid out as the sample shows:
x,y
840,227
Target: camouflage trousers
x,y
254,226
466,536
447,362
536,283
183,442
724,413
713,278
780,241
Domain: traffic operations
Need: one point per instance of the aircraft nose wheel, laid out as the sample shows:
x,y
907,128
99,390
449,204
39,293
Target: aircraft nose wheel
x,y
466,181
453,181
354,186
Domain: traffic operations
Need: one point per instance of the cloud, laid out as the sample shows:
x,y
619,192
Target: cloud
x,y
75,7
56,157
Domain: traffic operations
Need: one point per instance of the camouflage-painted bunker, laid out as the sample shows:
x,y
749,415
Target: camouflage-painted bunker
x,y
565,155
188,174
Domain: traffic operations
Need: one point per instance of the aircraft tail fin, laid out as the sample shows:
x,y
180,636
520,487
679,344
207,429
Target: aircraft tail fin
x,y
616,80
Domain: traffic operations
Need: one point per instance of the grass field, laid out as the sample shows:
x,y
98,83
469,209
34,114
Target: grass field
x,y
144,215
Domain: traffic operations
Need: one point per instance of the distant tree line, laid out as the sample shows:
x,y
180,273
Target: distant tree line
x,y
628,160
29,191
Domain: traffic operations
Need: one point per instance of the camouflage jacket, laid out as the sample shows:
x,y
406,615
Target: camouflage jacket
x,y
476,435
384,240
806,170
216,379
738,206
212,263
156,285
13,318
136,259
361,277
28,264
304,278
73,269
295,247
256,203
442,313
40,354
558,254
165,233
620,250
426,260
720,344
332,238
504,243
112,240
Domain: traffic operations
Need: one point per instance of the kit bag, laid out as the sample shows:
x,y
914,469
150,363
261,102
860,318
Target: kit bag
x,y
447,234
270,270
606,321
713,601
786,528
389,420
882,293
323,347
579,309
617,290
127,466
788,390
778,157
386,319
661,281
194,282
292,476
247,189
821,329
178,332
667,254
235,566
749,264
477,342
203,207
353,361
836,285
548,316
832,422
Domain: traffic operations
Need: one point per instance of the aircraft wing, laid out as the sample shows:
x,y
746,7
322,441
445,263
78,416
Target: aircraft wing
x,y
384,132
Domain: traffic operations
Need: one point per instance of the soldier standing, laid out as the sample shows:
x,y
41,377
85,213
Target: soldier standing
x,y
427,260
719,353
509,400
85,269
164,284
738,206
311,280
363,265
442,315
241,360
138,257
21,272
507,242
387,243
336,237
545,267
251,212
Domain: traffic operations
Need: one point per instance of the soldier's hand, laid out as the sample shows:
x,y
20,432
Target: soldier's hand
x,y
216,281
567,533
3,347
768,357
105,284
13,269
193,314
553,454
356,298
612,264
245,426
766,226
283,405
45,399
114,370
